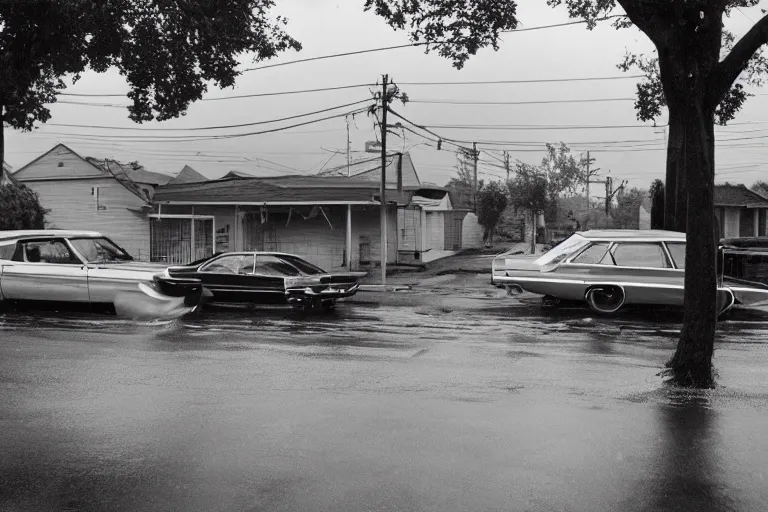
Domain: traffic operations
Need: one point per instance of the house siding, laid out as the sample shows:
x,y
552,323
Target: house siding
x,y
312,239
47,167
72,206
731,219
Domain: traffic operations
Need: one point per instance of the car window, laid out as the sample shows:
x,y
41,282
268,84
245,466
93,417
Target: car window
x,y
49,251
99,250
7,250
677,250
234,264
274,267
303,265
595,254
646,255
562,250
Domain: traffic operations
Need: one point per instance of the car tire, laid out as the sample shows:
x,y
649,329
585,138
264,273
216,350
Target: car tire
x,y
605,299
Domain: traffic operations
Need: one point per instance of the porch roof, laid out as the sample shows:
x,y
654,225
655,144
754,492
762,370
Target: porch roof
x,y
738,196
274,190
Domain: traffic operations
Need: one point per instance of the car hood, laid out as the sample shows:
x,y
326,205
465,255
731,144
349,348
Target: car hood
x,y
518,262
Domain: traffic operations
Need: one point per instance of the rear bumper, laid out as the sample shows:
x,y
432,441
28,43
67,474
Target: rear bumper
x,y
190,289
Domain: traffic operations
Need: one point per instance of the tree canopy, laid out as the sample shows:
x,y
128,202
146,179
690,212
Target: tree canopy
x,y
491,203
20,208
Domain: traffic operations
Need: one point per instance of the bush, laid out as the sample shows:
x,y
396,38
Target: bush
x,y
20,208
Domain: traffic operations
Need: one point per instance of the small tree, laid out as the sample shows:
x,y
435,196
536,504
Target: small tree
x,y
491,203
528,191
20,208
563,173
761,187
627,210
657,204
463,185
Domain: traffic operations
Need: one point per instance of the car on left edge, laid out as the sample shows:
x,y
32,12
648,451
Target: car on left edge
x,y
81,268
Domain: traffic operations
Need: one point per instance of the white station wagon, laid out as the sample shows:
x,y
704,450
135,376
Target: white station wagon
x,y
53,267
612,268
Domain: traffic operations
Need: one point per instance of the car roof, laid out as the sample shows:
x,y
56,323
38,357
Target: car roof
x,y
34,233
263,253
656,235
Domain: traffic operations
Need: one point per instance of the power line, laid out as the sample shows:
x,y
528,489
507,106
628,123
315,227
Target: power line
x,y
532,81
534,127
255,95
188,138
541,102
101,127
410,45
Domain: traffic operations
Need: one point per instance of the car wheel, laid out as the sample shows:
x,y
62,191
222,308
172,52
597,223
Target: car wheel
x,y
606,299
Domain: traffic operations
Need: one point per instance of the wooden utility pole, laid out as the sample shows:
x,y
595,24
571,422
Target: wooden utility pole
x,y
383,209
588,176
506,163
474,179
349,210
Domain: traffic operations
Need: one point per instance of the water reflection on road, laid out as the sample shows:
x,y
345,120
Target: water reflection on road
x,y
433,403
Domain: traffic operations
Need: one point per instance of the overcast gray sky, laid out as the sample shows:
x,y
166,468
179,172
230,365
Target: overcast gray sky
x,y
327,27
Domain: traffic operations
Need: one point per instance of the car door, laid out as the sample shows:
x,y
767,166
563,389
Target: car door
x,y
269,274
648,276
45,270
229,277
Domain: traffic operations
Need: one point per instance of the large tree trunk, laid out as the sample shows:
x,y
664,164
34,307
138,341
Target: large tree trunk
x,y
691,365
2,141
674,146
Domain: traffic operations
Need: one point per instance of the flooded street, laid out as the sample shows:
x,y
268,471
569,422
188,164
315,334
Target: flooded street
x,y
421,402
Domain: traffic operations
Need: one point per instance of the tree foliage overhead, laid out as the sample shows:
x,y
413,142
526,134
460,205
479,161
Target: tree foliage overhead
x,y
20,208
167,50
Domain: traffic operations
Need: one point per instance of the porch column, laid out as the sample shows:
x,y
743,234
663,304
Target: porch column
x,y
235,231
192,236
349,237
756,221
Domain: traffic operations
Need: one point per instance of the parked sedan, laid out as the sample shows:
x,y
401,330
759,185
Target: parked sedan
x,y
270,278
85,268
611,269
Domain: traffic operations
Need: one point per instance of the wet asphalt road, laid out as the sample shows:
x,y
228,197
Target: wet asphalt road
x,y
417,402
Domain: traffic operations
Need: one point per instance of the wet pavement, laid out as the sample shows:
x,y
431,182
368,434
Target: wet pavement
x,y
395,402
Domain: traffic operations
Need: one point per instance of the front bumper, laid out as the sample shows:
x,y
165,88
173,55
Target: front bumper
x,y
304,294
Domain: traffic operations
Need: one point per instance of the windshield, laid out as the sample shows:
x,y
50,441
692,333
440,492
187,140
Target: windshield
x,y
100,250
562,250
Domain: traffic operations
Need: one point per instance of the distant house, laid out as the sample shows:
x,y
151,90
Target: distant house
x,y
740,211
303,215
187,175
92,194
428,226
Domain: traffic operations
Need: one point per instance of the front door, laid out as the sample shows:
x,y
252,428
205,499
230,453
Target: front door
x,y
45,270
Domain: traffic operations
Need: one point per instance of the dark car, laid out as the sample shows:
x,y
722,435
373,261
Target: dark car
x,y
269,278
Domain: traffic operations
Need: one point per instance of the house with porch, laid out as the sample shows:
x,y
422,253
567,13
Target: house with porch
x,y
325,220
739,211
428,227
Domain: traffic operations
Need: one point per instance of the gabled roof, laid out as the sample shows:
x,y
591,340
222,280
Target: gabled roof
x,y
282,189
187,175
126,171
370,169
739,196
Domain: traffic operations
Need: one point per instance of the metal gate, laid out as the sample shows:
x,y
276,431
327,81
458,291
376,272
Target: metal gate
x,y
181,240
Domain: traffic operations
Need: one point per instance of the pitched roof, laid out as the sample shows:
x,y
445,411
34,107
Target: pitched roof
x,y
370,169
122,171
282,189
187,175
738,195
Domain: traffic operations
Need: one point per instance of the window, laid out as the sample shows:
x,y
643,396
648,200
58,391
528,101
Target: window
x,y
7,250
562,250
304,266
677,250
235,264
99,250
596,254
646,255
49,251
274,267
